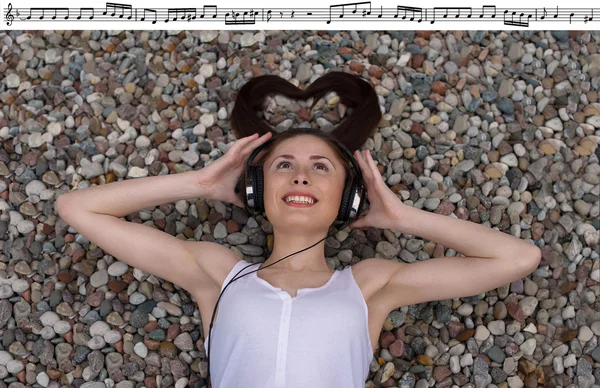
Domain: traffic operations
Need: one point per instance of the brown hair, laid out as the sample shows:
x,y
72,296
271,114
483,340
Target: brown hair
x,y
353,91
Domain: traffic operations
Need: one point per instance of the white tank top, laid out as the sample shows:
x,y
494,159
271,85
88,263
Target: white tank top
x,y
265,338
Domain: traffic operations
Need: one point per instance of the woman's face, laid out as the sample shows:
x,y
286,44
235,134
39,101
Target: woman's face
x,y
299,169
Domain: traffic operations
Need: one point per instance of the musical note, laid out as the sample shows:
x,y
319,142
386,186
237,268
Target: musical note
x,y
209,6
243,21
488,6
411,9
589,18
454,8
61,9
123,7
458,9
149,10
187,14
348,4
43,11
513,22
33,9
9,17
85,9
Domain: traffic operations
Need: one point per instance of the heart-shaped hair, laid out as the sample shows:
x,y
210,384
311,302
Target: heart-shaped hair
x,y
353,91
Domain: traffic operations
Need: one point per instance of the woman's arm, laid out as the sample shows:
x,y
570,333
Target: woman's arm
x,y
96,212
128,196
466,237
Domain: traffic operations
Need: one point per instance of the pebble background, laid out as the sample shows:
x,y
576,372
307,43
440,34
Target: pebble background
x,y
501,128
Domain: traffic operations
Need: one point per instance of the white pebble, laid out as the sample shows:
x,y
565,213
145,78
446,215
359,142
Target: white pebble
x,y
20,285
47,332
140,349
465,309
118,268
99,278
12,81
96,342
99,328
14,366
481,333
528,347
49,318
42,379
137,172
62,327
137,298
112,337
222,114
142,141
5,357
182,382
207,120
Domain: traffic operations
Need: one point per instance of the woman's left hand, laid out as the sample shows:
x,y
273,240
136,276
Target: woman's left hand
x,y
386,208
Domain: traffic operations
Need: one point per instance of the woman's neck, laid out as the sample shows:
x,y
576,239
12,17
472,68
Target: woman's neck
x,y
309,260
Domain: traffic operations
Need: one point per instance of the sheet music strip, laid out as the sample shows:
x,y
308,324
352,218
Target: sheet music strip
x,y
344,15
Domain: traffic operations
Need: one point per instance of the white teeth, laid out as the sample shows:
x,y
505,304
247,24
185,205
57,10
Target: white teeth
x,y
300,199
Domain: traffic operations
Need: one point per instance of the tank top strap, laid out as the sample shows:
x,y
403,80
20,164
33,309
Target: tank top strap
x,y
345,278
235,272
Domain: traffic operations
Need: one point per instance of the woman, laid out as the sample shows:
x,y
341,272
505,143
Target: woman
x,y
297,323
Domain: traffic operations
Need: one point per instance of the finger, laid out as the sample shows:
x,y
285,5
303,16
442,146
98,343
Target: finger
x,y
255,143
373,166
238,144
364,168
357,224
238,201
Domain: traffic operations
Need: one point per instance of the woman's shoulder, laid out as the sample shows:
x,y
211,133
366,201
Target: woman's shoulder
x,y
369,274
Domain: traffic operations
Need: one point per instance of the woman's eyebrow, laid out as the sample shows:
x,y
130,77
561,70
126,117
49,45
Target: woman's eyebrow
x,y
312,157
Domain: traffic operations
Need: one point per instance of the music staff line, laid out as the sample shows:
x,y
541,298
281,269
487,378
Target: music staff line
x,y
360,11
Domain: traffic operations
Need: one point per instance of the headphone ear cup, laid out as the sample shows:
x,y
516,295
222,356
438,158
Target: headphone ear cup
x,y
259,189
248,183
345,203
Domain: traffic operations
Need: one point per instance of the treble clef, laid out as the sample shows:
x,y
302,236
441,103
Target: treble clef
x,y
9,16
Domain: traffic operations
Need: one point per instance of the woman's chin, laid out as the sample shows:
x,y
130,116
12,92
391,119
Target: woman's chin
x,y
302,221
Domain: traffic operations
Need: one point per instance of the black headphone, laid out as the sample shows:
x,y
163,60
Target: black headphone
x,y
353,197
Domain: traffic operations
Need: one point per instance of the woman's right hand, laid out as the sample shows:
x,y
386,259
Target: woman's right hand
x,y
221,176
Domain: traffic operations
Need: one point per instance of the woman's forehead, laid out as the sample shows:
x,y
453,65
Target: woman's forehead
x,y
303,146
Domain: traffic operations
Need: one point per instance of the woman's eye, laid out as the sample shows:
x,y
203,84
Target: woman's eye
x,y
318,165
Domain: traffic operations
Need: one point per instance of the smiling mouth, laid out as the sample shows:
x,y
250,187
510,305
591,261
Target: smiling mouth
x,y
299,201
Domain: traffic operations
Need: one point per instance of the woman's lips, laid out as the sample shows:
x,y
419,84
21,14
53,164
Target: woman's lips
x,y
296,204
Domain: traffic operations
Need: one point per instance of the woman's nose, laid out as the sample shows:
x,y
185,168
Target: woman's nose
x,y
301,176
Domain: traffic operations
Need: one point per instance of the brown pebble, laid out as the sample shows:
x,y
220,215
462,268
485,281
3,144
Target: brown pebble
x,y
424,359
439,87
151,344
376,71
465,334
417,61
